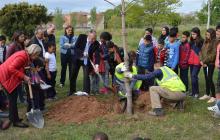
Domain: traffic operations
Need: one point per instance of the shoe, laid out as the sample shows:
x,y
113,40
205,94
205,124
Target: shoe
x,y
104,90
61,85
216,115
211,100
205,97
213,108
156,112
5,124
196,96
70,94
20,124
191,94
180,105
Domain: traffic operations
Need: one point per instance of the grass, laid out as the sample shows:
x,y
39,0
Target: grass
x,y
195,123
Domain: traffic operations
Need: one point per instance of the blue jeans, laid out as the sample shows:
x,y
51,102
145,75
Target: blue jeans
x,y
194,72
184,77
94,83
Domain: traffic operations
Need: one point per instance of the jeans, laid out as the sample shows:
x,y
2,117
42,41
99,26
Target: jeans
x,y
184,77
94,83
66,60
75,71
208,73
194,72
51,92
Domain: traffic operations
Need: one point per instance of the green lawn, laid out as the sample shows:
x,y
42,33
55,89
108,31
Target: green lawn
x,y
195,123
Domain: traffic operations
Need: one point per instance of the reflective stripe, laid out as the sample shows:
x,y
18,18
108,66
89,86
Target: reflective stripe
x,y
169,75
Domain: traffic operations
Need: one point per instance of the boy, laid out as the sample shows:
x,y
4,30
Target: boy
x,y
184,57
51,69
149,31
2,48
160,53
145,59
173,51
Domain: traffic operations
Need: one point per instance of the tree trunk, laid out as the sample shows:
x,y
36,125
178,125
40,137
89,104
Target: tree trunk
x,y
127,81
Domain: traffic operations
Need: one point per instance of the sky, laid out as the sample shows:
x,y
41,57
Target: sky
x,y
85,5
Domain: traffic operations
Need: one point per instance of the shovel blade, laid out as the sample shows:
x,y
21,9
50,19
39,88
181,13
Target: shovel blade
x,y
35,117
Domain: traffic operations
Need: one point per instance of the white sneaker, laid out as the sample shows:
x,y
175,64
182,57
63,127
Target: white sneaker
x,y
213,108
211,100
205,97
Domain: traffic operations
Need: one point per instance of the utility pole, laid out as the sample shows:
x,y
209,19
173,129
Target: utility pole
x,y
209,13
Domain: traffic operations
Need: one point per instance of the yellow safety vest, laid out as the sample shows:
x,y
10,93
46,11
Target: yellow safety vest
x,y
120,76
171,80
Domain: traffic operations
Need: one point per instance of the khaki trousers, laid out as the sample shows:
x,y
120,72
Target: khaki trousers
x,y
156,92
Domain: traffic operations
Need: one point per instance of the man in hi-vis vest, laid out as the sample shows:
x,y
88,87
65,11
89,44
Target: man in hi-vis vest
x,y
169,87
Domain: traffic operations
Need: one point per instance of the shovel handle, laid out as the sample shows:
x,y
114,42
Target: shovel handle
x,y
30,91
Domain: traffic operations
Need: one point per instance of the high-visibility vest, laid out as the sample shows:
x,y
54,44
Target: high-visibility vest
x,y
171,80
120,76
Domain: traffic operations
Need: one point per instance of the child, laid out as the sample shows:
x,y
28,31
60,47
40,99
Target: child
x,y
173,51
145,59
160,53
207,60
2,48
184,57
196,43
104,56
115,57
51,69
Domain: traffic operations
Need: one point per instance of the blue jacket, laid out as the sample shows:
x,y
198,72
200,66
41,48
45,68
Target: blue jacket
x,y
64,39
145,56
173,54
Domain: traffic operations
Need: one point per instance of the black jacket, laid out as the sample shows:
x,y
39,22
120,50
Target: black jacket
x,y
34,40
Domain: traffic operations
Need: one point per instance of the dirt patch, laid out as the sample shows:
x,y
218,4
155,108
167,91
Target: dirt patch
x,y
80,109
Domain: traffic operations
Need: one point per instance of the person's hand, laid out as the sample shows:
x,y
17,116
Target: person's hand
x,y
204,65
201,63
123,69
96,68
27,79
67,44
128,75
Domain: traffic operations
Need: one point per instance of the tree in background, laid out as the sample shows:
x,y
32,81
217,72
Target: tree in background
x,y
215,13
73,20
22,16
58,18
92,18
110,16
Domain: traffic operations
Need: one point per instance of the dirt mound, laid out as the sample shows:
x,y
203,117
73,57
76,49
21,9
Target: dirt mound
x,y
82,108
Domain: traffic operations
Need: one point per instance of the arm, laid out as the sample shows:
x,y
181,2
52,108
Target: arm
x,y
176,57
156,74
72,45
63,44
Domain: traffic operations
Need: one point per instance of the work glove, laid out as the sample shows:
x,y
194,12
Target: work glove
x,y
97,68
123,69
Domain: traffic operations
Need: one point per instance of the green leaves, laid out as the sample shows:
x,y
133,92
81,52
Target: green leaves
x,y
22,16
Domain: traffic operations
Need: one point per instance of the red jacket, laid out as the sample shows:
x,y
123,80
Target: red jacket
x,y
184,55
12,70
159,58
194,54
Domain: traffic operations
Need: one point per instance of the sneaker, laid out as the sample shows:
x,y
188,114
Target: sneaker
x,y
213,108
156,112
61,85
196,96
205,97
211,100
70,94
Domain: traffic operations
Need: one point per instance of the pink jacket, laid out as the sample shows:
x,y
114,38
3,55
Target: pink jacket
x,y
217,56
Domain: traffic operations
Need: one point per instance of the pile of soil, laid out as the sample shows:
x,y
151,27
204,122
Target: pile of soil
x,y
80,109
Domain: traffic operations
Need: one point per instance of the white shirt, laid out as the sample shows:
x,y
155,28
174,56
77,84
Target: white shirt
x,y
52,61
43,49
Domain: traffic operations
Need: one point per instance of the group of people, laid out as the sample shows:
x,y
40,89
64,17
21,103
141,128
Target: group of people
x,y
33,61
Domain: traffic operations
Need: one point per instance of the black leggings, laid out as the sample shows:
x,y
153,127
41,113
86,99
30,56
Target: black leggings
x,y
208,73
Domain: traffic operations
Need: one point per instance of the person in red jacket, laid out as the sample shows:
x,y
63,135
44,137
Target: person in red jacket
x,y
160,52
12,74
196,43
184,57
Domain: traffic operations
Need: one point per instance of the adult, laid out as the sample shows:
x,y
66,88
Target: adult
x,y
17,44
38,39
86,46
11,76
67,44
49,34
165,77
149,31
164,33
208,63
196,43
